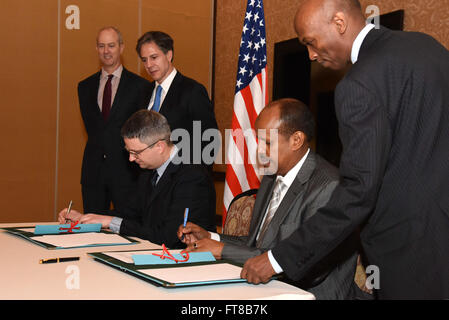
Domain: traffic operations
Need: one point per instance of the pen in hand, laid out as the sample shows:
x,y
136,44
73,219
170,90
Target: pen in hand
x,y
186,214
68,211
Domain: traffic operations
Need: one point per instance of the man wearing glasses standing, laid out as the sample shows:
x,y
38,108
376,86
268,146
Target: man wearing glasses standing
x,y
165,189
107,99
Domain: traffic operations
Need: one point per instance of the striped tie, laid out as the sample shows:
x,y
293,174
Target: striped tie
x,y
272,207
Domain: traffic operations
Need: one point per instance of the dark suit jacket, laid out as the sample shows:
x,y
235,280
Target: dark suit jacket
x,y
187,101
393,113
311,189
159,211
104,143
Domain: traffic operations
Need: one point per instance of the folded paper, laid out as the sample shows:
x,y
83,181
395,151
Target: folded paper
x,y
67,228
150,259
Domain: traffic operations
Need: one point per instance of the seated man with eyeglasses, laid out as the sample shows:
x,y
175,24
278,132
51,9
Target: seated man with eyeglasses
x,y
166,187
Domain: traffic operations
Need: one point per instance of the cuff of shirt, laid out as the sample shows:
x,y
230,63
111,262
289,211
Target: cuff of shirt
x,y
214,236
115,224
276,267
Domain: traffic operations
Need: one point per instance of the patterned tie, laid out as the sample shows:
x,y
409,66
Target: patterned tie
x,y
272,207
157,99
107,96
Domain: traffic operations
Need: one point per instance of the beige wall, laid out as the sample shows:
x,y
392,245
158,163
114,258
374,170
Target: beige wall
x,y
42,63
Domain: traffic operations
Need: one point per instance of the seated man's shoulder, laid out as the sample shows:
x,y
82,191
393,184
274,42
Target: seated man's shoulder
x,y
326,170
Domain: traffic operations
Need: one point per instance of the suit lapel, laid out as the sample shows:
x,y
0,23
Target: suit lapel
x,y
294,193
170,97
260,206
93,92
164,181
120,94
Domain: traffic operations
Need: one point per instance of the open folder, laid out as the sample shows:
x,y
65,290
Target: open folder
x,y
71,240
172,275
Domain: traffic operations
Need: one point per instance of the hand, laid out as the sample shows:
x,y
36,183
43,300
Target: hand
x,y
97,218
192,233
73,216
258,269
216,247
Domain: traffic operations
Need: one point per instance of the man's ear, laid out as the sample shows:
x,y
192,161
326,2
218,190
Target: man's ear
x,y
340,22
170,55
297,140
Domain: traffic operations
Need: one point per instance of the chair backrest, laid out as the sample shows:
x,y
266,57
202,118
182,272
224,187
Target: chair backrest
x,y
240,211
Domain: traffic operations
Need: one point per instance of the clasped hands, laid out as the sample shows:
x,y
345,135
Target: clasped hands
x,y
256,270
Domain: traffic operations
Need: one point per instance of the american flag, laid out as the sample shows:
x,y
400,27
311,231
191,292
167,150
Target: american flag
x,y
251,95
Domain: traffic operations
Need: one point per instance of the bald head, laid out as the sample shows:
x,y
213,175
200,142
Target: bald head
x,y
328,28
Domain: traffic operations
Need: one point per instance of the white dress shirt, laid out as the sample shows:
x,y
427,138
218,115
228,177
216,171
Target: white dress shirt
x,y
165,87
358,42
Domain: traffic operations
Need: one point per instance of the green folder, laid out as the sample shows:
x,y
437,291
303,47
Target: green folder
x,y
139,270
28,236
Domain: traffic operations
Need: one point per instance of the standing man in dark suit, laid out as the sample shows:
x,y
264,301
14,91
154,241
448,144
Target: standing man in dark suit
x,y
302,183
165,189
393,113
183,101
107,99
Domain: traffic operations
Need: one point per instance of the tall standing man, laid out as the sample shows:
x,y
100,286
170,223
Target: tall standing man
x,y
393,113
107,99
183,101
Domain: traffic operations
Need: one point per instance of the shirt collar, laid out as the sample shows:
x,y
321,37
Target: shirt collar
x,y
358,42
293,172
117,72
161,169
167,82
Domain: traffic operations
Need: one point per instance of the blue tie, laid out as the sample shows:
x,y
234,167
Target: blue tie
x,y
157,99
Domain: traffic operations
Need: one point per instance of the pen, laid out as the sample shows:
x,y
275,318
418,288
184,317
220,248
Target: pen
x,y
186,214
56,260
68,210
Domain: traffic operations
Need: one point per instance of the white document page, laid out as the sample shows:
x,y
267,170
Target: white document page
x,y
81,239
210,272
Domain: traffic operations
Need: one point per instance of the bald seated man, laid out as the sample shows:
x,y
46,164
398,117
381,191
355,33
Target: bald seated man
x,y
307,182
393,112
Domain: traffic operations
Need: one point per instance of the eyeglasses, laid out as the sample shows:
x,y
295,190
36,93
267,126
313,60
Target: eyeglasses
x,y
138,152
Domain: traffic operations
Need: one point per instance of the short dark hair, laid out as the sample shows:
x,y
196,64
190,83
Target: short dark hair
x,y
146,125
161,39
294,116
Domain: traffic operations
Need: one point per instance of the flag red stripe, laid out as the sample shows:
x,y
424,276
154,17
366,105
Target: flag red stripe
x,y
249,103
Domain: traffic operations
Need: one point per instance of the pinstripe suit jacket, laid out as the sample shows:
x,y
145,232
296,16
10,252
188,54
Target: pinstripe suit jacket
x,y
311,189
393,114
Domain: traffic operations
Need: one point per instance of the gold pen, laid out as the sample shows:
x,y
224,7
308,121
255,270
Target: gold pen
x,y
56,260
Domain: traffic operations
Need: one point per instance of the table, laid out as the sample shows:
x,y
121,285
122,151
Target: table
x,y
22,277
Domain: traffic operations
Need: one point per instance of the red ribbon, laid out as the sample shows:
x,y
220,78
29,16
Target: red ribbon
x,y
72,226
168,255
